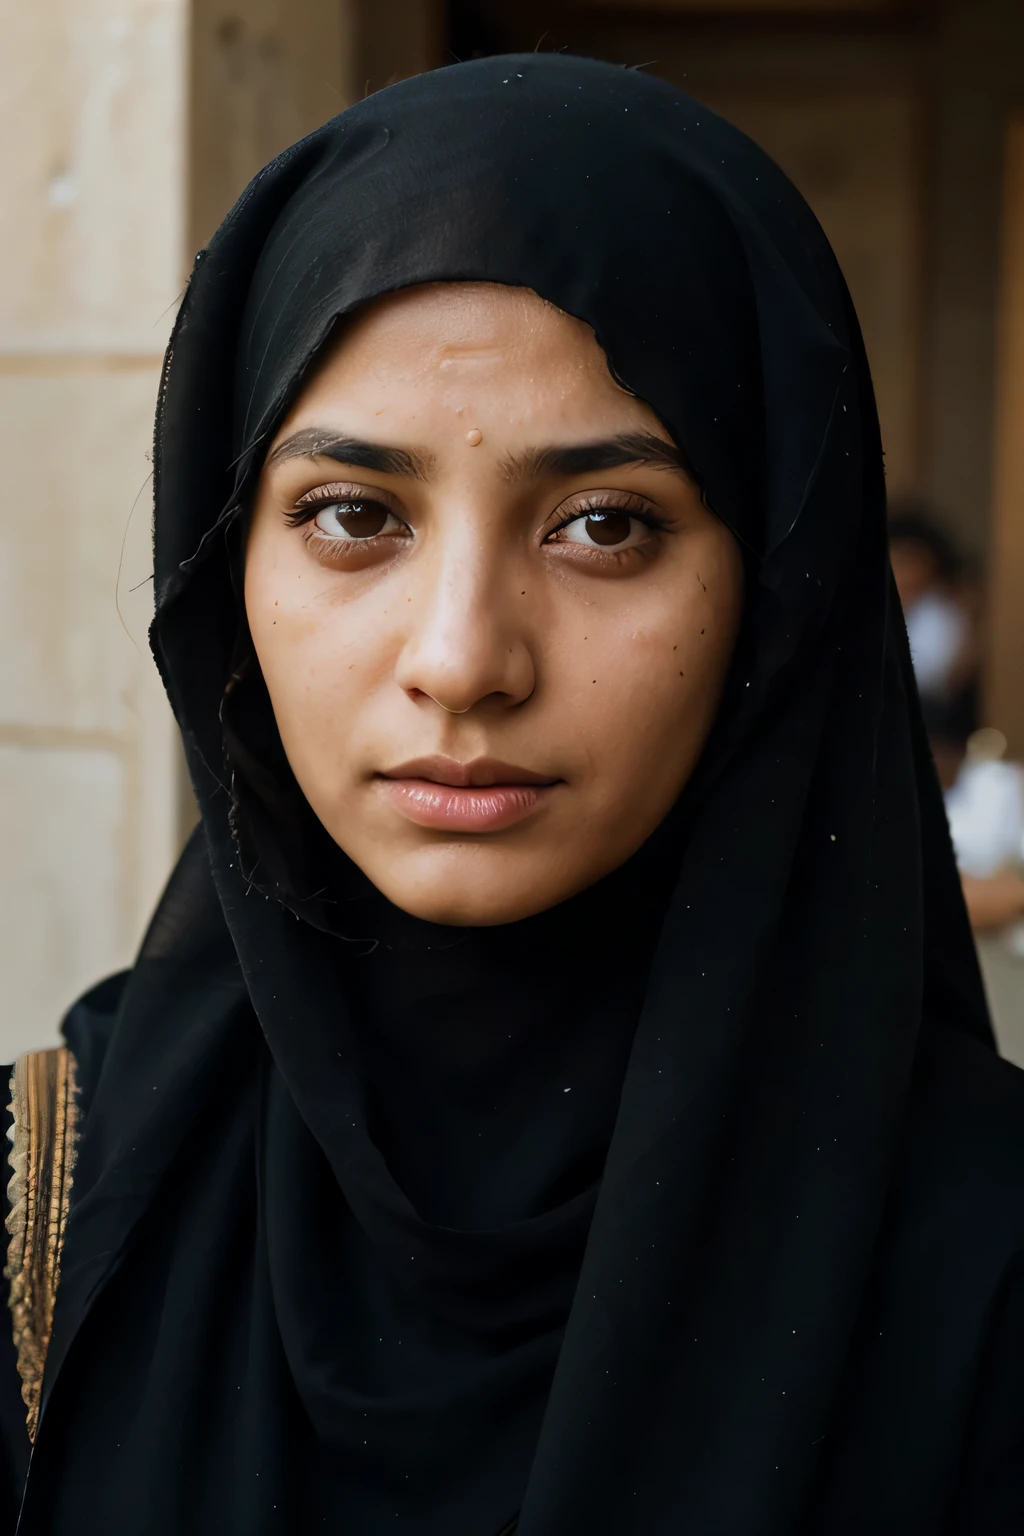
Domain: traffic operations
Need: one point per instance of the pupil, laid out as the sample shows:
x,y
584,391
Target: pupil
x,y
608,527
362,520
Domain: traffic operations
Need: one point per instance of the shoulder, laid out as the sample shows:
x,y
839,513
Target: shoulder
x,y
50,1094
962,1162
967,1150
976,1096
88,1027
70,1070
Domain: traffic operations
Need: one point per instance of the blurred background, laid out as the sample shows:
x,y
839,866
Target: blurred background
x,y
128,127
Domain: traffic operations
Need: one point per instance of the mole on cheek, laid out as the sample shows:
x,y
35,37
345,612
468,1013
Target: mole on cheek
x,y
474,437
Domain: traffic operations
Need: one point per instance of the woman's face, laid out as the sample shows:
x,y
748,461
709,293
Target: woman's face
x,y
493,617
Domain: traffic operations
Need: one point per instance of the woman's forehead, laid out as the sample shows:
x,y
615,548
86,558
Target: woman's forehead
x,y
455,321
464,347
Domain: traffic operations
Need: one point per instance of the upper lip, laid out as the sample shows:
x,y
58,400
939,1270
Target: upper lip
x,y
482,771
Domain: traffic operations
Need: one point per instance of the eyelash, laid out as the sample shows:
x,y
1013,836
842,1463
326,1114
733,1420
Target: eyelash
x,y
306,509
303,513
614,501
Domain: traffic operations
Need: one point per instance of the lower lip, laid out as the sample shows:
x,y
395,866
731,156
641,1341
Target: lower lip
x,y
447,808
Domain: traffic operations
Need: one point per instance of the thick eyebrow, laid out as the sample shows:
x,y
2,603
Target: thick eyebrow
x,y
589,458
320,443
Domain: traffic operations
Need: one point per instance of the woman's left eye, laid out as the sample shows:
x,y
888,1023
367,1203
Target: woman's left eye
x,y
353,521
611,529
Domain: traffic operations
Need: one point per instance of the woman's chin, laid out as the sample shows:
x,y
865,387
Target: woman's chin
x,y
473,886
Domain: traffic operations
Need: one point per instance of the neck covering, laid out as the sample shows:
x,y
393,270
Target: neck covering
x,y
634,1314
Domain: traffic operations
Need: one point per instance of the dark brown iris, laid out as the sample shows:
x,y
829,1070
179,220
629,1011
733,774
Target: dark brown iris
x,y
608,527
361,519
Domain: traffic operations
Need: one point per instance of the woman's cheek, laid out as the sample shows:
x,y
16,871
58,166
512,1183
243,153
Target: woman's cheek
x,y
667,683
625,684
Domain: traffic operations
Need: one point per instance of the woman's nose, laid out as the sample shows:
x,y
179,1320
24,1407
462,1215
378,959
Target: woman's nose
x,y
467,642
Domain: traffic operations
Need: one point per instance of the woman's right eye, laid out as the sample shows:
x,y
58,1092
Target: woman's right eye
x,y
355,520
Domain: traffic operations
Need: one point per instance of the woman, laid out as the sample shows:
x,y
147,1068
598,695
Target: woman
x,y
555,1092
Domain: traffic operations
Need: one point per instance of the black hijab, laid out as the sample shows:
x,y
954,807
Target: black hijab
x,y
633,1311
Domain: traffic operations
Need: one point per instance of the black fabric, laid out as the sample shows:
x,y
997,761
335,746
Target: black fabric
x,y
789,1302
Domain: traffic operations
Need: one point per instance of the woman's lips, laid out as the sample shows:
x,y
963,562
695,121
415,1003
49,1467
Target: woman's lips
x,y
481,796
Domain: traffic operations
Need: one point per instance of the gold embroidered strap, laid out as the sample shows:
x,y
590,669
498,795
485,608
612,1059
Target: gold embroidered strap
x,y
41,1158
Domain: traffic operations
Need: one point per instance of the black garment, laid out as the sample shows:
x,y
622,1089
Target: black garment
x,y
799,1305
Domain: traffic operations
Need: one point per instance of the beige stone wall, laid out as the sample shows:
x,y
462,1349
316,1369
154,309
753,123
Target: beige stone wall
x,y
91,174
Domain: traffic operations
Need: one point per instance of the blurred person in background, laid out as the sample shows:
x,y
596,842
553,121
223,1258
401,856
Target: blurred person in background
x,y
985,805
984,796
940,608
556,1092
